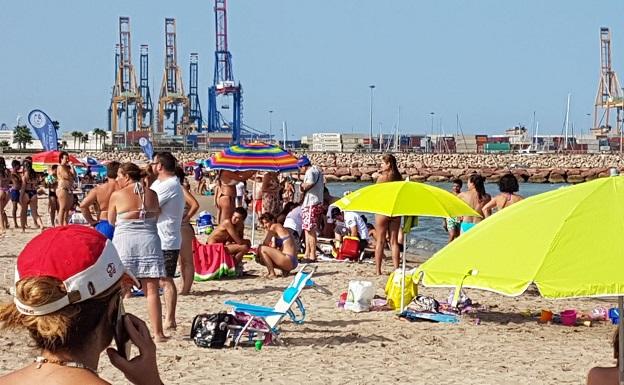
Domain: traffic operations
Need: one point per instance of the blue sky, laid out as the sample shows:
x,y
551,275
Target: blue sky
x,y
492,62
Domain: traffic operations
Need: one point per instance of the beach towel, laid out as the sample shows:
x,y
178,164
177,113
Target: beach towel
x,y
212,262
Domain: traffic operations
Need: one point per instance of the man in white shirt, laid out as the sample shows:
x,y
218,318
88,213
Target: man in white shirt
x,y
171,200
355,225
240,193
312,206
294,224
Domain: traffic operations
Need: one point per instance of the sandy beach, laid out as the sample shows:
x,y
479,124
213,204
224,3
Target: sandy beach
x,y
335,346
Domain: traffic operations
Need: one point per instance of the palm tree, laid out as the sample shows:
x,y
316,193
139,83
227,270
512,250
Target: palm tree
x,y
64,144
22,136
101,135
84,139
76,135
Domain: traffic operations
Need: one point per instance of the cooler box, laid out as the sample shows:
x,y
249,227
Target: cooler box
x,y
350,249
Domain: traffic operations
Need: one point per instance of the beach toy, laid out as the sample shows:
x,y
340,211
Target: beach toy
x,y
614,315
258,345
568,317
599,314
546,316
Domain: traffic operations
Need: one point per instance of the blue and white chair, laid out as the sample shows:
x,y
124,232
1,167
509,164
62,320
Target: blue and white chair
x,y
271,317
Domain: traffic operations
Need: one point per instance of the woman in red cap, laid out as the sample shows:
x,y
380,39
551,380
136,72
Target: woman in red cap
x,y
68,296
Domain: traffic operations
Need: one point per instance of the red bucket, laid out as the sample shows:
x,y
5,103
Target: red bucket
x,y
350,249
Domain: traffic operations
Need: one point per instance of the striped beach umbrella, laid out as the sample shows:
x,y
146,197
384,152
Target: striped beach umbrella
x,y
254,157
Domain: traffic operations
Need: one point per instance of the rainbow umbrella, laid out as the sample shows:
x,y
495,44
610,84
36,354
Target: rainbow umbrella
x,y
254,157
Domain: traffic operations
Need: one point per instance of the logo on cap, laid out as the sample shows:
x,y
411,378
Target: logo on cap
x,y
110,269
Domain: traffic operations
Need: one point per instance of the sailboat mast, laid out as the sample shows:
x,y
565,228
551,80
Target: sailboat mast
x,y
396,135
567,123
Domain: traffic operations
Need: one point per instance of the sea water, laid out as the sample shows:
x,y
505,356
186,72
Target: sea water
x,y
429,236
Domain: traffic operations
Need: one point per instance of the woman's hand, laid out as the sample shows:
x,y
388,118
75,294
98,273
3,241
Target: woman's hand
x,y
141,369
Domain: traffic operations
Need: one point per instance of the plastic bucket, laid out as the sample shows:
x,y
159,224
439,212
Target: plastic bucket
x,y
614,316
568,317
546,316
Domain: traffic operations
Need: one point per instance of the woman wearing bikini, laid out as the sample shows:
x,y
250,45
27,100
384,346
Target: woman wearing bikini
x,y
284,254
5,183
508,186
28,196
384,225
225,197
64,194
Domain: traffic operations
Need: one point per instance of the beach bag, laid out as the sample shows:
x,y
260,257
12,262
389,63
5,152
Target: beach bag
x,y
212,262
359,296
424,303
211,330
204,223
393,289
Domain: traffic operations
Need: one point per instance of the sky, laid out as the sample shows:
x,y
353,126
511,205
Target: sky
x,y
491,63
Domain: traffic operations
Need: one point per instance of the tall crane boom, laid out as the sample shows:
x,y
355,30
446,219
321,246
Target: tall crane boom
x,y
144,86
172,95
195,115
224,85
609,95
126,97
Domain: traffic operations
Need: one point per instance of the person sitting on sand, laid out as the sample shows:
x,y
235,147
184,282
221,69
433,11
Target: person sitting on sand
x,y
475,197
99,197
72,329
284,255
230,233
606,375
508,186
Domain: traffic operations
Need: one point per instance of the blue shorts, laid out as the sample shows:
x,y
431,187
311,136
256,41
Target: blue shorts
x,y
465,226
105,228
14,195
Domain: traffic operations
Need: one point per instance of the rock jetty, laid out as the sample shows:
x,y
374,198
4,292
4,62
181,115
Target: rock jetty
x,y
354,167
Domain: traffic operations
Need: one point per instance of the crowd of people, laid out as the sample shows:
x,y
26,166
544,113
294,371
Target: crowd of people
x,y
141,226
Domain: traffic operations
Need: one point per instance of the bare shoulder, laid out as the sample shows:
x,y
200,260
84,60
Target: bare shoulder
x,y
602,376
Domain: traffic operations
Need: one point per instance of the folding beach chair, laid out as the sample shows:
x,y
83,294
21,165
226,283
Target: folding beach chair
x,y
263,320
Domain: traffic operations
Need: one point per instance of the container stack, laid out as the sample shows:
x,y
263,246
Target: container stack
x,y
352,142
326,142
466,144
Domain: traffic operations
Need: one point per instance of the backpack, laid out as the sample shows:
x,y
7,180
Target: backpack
x,y
211,330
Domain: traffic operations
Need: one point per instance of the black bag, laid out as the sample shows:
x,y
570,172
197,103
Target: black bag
x,y
211,330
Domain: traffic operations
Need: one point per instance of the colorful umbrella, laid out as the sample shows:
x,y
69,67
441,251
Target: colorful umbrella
x,y
568,242
408,199
254,157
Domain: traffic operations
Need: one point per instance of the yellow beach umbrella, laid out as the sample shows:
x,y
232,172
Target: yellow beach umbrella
x,y
568,242
405,199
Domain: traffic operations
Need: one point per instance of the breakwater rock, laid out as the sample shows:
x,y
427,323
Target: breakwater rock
x,y
352,167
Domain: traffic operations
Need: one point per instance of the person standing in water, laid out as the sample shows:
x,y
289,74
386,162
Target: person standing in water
x,y
452,225
387,226
508,186
475,197
100,197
